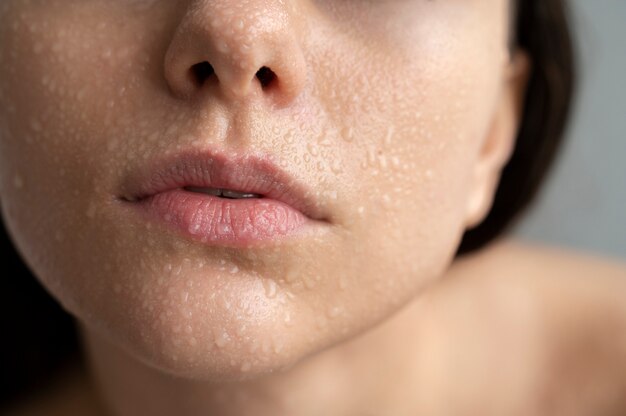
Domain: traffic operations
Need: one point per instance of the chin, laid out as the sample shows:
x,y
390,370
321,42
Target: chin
x,y
228,333
239,358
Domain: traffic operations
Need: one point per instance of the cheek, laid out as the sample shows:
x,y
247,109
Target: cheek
x,y
412,119
47,148
66,77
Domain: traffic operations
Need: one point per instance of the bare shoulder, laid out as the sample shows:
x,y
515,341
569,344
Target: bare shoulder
x,y
558,274
545,261
571,262
571,305
580,292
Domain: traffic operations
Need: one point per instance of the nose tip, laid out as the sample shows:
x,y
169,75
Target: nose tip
x,y
255,53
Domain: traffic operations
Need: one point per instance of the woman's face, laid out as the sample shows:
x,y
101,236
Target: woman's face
x,y
395,115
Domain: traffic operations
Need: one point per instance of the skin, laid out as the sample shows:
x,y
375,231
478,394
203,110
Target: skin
x,y
398,115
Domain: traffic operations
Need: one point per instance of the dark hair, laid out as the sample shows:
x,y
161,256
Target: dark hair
x,y
541,28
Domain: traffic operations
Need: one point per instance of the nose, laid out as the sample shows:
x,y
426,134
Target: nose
x,y
241,49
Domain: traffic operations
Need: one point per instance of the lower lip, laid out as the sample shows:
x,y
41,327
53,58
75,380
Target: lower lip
x,y
236,222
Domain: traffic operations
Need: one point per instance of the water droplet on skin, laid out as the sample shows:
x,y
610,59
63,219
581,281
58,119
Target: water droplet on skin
x,y
35,125
309,283
278,347
382,161
223,229
225,303
234,269
287,319
91,210
291,276
312,149
271,288
386,199
332,194
184,296
321,322
389,136
221,340
254,345
222,47
343,283
371,155
241,330
347,134
112,144
18,182
336,166
194,227
334,311
325,141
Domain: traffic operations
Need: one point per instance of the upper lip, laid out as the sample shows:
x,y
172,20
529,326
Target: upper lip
x,y
213,169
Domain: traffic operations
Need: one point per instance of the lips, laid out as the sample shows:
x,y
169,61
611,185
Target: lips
x,y
210,169
275,203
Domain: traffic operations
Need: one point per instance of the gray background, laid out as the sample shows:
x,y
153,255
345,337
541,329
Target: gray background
x,y
583,203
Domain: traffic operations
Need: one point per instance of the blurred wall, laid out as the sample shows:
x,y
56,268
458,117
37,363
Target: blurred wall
x,y
583,204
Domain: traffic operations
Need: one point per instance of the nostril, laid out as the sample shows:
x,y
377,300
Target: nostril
x,y
201,72
265,76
